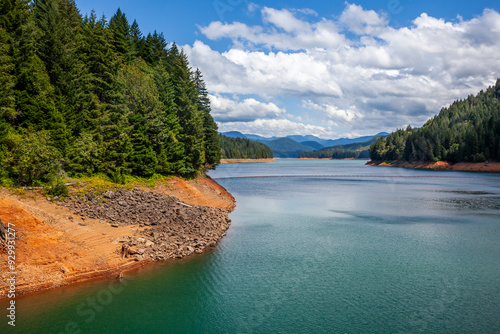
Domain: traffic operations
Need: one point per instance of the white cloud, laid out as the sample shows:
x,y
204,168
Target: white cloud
x,y
268,75
282,31
379,79
276,127
334,113
361,21
225,109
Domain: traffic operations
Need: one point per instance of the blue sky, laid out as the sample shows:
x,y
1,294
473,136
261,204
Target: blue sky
x,y
327,68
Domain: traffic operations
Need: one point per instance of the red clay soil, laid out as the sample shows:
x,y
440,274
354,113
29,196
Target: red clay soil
x,y
55,247
493,167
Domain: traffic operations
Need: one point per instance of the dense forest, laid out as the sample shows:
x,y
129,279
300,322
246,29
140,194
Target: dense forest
x,y
287,148
347,151
468,130
86,95
241,148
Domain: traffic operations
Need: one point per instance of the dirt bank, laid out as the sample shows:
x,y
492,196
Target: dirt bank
x,y
333,159
493,167
96,234
243,161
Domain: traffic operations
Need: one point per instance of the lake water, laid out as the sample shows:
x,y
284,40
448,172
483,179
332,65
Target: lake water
x,y
315,246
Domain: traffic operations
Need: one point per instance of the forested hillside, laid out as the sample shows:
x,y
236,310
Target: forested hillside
x,y
468,130
241,148
287,148
348,151
86,95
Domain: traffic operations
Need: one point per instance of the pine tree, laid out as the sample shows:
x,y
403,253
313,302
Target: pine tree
x,y
211,138
122,39
186,104
136,38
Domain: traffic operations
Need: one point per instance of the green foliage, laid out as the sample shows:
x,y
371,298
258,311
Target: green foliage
x,y
287,148
31,158
468,130
100,97
241,148
59,188
348,151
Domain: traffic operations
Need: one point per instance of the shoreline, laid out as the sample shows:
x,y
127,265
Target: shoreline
x,y
333,159
106,234
488,167
244,161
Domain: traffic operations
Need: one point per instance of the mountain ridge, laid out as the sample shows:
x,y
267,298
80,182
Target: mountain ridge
x,y
292,145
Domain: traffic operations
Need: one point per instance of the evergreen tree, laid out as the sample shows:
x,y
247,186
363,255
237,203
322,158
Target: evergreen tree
x,y
122,39
186,104
211,138
465,131
97,96
136,38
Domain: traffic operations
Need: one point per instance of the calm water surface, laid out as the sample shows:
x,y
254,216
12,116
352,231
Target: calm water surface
x,y
314,247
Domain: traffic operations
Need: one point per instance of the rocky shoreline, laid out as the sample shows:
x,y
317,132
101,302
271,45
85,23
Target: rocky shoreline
x,y
109,230
168,228
492,167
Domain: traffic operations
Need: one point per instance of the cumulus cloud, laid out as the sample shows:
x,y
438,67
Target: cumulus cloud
x,y
379,78
277,127
361,21
281,30
333,112
225,109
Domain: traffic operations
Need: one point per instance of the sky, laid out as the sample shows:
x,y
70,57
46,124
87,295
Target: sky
x,y
327,68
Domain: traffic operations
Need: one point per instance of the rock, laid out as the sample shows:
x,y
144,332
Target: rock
x,y
168,227
108,194
124,239
138,257
64,269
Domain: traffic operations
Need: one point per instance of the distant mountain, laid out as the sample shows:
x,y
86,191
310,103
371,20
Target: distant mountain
x,y
295,144
354,150
301,139
345,141
234,134
314,144
287,148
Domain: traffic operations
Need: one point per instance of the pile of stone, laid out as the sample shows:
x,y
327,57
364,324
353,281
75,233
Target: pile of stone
x,y
173,229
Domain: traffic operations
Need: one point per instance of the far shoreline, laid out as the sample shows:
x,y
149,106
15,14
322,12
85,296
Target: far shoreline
x,y
245,161
489,167
366,159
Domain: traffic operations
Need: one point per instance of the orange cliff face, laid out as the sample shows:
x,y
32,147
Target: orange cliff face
x,y
56,247
52,250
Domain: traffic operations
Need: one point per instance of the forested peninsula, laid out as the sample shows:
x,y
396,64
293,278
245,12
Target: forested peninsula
x,y
81,96
468,131
105,138
242,148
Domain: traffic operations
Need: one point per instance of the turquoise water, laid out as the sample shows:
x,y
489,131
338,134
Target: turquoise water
x,y
314,247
